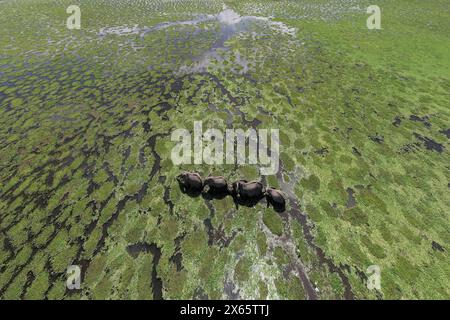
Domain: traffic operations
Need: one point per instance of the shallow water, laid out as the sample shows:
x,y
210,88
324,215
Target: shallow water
x,y
225,25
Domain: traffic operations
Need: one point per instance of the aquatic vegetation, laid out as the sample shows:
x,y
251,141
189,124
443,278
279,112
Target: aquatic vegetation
x,y
86,176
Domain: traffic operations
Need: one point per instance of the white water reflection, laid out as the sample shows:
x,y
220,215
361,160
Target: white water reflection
x,y
230,23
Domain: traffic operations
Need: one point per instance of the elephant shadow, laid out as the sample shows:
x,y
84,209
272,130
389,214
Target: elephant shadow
x,y
280,208
246,202
214,195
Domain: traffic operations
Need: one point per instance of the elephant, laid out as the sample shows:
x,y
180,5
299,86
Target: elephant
x,y
215,188
276,198
190,183
247,193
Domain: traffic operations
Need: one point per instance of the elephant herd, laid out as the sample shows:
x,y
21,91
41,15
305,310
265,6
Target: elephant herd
x,y
247,193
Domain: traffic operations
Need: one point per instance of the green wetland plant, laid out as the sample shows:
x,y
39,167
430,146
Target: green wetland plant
x,y
85,151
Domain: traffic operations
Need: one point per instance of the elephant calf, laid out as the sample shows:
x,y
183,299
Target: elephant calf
x,y
276,198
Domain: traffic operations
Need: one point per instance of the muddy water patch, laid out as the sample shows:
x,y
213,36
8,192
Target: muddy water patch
x,y
351,201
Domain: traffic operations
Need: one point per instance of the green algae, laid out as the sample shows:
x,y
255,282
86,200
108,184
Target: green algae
x,y
85,150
